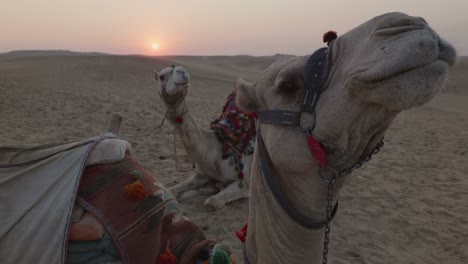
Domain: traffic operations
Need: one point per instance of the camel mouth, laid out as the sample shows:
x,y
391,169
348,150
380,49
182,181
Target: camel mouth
x,y
411,45
173,100
182,84
344,156
179,91
439,66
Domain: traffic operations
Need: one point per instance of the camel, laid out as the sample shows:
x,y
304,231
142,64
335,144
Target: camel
x,y
388,64
201,146
91,201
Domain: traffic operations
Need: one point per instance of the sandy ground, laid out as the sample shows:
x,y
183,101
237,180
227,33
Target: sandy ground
x,y
408,205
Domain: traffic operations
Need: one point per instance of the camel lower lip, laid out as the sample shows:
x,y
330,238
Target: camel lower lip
x,y
172,95
372,81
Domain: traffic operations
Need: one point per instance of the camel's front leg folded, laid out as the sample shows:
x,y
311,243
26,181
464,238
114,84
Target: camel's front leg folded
x,y
229,194
195,182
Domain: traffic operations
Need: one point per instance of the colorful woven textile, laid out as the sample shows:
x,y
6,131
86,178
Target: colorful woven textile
x,y
141,229
235,129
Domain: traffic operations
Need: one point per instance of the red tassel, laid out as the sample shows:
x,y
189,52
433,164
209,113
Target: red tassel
x,y
167,257
254,115
242,234
317,150
136,191
179,120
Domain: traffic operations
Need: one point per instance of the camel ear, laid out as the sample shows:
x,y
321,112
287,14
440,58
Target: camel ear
x,y
246,98
156,75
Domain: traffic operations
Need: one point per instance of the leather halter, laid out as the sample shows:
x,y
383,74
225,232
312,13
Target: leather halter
x,y
315,73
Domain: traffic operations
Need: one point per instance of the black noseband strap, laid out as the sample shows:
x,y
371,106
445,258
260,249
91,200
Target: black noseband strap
x,y
279,117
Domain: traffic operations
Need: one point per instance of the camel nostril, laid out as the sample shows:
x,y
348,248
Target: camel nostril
x,y
447,52
423,20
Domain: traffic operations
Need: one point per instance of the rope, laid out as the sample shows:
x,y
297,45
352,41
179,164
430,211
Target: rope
x,y
152,132
176,160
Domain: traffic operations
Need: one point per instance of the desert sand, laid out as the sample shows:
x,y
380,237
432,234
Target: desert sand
x,y
409,204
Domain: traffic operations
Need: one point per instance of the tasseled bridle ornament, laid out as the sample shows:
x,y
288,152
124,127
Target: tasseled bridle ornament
x,y
179,120
219,254
167,257
329,37
136,191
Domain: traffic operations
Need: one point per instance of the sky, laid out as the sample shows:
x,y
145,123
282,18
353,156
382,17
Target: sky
x,y
207,27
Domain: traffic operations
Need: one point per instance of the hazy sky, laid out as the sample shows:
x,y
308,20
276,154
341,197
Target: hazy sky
x,y
207,27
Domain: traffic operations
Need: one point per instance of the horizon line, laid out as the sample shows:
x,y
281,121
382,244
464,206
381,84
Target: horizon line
x,y
137,54
167,55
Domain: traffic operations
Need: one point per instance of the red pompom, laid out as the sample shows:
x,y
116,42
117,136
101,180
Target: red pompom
x,y
329,36
167,257
242,234
254,115
240,175
136,191
317,150
179,120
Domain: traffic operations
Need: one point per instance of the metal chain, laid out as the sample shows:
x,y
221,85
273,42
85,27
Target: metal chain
x,y
326,240
331,184
358,164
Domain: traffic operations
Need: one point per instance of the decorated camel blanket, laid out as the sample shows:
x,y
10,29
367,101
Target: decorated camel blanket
x,y
235,130
38,190
140,215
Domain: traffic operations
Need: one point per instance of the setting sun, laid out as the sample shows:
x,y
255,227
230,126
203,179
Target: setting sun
x,y
155,46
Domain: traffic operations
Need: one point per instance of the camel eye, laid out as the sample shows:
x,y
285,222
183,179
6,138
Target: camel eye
x,y
287,88
161,78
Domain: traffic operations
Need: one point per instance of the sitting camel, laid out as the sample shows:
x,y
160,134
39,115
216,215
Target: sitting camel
x,y
206,151
321,116
90,201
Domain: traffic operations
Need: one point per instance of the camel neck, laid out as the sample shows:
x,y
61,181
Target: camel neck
x,y
193,136
273,237
177,115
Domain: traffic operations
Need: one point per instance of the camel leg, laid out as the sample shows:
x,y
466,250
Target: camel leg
x,y
195,182
231,193
207,190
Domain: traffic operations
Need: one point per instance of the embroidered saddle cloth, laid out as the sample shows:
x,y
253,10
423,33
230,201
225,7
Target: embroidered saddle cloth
x,y
39,187
141,228
235,129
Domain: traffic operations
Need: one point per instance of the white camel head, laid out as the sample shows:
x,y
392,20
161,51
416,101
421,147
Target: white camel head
x,y
391,63
174,83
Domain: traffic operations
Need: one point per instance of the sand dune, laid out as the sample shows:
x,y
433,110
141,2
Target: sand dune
x,y
408,205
